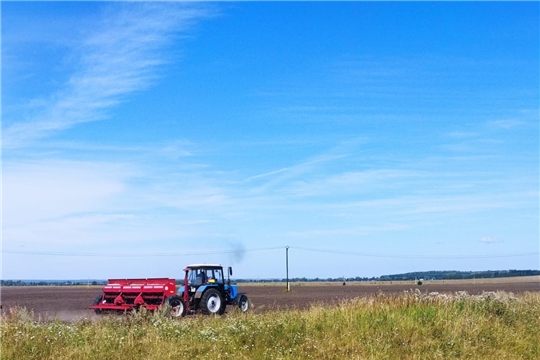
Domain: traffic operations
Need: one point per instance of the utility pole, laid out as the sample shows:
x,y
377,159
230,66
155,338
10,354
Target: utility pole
x,y
287,267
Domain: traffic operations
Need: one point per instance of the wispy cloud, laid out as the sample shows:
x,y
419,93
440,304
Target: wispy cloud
x,y
295,169
75,203
119,58
462,134
355,231
354,182
37,191
506,124
489,239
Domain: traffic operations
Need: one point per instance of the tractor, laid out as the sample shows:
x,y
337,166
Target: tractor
x,y
204,289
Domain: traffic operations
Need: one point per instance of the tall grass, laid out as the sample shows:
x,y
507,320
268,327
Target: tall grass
x,y
411,326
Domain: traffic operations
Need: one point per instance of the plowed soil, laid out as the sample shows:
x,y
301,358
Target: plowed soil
x,y
71,303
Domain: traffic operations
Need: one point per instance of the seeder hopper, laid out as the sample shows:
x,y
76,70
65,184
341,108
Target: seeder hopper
x,y
128,294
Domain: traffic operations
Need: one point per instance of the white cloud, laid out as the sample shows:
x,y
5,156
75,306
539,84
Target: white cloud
x,y
354,182
489,239
340,232
462,134
295,170
120,57
60,203
38,191
506,124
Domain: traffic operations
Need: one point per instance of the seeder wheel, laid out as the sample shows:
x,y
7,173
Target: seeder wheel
x,y
178,307
98,301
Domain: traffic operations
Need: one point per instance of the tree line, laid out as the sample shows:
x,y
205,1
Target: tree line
x,y
425,275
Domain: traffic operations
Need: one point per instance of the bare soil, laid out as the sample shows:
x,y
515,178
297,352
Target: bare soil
x,y
71,303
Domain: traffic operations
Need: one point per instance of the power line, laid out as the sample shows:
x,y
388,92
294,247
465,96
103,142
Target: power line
x,y
169,254
243,250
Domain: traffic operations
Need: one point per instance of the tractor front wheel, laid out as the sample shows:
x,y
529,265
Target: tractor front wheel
x,y
212,302
243,303
178,307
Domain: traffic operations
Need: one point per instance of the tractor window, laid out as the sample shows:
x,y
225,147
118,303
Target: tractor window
x,y
215,276
219,276
197,277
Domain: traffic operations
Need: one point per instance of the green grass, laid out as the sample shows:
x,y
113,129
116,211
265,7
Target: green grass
x,y
411,326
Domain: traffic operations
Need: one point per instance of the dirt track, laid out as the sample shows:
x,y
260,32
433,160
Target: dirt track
x,y
71,303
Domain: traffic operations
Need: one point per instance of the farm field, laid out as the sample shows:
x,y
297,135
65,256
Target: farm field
x,y
71,303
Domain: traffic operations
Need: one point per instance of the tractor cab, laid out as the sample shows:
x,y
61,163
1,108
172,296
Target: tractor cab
x,y
205,274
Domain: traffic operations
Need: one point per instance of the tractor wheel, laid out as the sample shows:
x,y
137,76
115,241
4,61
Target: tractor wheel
x,y
178,307
243,303
212,302
97,301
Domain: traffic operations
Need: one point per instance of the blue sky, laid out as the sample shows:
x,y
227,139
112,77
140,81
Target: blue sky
x,y
394,137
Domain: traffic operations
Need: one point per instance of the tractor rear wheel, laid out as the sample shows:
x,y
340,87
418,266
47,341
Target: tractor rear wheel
x,y
212,302
243,303
178,307
97,301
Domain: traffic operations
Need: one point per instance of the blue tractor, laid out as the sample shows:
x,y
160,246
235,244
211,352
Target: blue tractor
x,y
206,290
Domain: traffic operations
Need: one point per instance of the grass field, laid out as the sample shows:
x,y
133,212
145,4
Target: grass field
x,y
407,326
